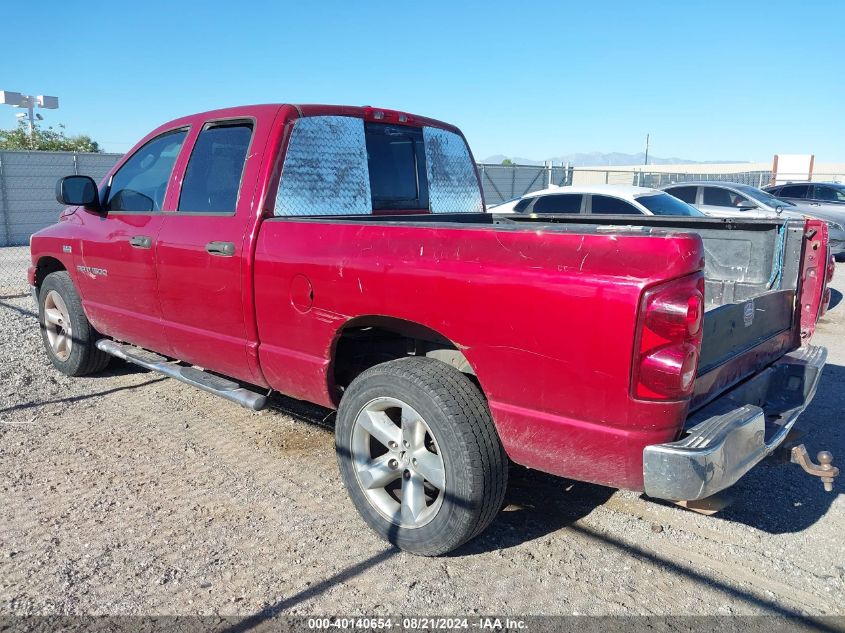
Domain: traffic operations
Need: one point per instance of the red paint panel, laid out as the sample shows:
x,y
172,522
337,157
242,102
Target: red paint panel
x,y
814,273
545,318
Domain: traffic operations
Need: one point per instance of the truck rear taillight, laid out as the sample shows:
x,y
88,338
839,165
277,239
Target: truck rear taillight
x,y
831,268
668,340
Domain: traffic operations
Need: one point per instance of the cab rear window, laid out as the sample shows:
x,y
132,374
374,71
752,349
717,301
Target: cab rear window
x,y
396,164
338,165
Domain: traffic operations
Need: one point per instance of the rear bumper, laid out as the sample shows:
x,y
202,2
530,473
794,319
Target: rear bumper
x,y
725,439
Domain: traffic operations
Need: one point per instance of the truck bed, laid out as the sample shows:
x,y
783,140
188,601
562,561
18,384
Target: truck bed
x,y
750,268
547,324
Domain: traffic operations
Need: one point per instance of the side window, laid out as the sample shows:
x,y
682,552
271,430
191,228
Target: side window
x,y
325,169
213,176
613,206
718,197
141,182
828,194
558,203
338,165
523,204
687,194
794,191
452,177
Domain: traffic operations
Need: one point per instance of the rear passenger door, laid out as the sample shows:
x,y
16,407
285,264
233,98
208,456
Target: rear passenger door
x,y
201,261
829,198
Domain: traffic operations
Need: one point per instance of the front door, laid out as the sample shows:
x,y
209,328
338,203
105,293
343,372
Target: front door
x,y
201,261
116,264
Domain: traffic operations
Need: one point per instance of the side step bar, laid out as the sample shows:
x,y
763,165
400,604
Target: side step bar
x,y
211,383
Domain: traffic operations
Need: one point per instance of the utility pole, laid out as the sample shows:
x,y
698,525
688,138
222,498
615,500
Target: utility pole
x,y
18,100
646,148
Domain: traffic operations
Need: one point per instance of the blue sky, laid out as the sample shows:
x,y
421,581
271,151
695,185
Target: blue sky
x,y
708,80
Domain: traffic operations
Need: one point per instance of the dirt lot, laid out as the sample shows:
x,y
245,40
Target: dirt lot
x,y
14,260
128,493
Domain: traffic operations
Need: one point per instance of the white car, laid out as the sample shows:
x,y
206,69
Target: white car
x,y
598,199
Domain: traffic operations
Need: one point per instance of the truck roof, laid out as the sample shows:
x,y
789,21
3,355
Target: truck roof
x,y
317,109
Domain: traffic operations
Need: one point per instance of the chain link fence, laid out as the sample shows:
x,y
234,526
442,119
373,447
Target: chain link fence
x,y
502,183
656,179
506,182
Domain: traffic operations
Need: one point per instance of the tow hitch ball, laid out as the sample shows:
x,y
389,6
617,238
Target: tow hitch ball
x,y
824,469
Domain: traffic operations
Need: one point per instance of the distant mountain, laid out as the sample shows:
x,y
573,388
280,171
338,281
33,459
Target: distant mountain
x,y
597,158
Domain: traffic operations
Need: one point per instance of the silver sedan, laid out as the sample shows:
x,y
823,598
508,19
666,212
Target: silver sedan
x,y
729,199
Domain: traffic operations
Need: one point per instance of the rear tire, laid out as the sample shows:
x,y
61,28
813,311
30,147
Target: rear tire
x,y
69,339
419,455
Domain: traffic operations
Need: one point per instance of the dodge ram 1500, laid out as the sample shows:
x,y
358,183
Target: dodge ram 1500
x,y
342,255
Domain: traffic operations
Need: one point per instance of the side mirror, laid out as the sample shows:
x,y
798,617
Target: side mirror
x,y
78,191
747,206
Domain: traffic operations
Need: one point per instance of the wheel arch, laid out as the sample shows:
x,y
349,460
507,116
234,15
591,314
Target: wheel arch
x,y
366,341
47,264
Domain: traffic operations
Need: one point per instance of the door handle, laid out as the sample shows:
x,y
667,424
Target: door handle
x,y
141,241
221,249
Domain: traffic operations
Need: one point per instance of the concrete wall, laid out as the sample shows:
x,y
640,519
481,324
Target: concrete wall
x,y
28,183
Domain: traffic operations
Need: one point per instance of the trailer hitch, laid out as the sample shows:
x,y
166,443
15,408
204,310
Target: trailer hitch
x,y
824,469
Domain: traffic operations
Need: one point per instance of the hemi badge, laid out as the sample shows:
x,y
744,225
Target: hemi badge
x,y
66,248
748,313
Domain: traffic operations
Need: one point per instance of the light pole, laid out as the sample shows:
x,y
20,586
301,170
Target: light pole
x,y
18,100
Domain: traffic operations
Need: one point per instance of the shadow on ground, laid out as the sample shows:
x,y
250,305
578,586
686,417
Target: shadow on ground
x,y
781,498
835,298
774,497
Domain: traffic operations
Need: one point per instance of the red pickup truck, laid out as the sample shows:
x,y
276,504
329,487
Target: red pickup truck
x,y
342,255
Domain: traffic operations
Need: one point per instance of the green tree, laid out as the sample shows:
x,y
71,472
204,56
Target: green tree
x,y
46,140
507,161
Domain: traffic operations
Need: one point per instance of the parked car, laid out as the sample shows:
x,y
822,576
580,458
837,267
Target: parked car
x,y
825,200
727,199
342,256
597,199
823,194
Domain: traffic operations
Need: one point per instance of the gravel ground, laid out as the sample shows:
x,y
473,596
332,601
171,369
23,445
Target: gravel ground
x,y
127,493
14,260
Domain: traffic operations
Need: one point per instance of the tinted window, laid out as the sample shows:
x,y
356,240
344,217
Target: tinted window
x,y
717,197
522,205
828,194
558,203
664,204
213,177
395,158
687,194
794,191
140,184
765,197
613,206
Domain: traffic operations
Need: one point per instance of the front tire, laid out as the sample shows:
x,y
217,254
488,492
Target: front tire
x,y
69,339
419,455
